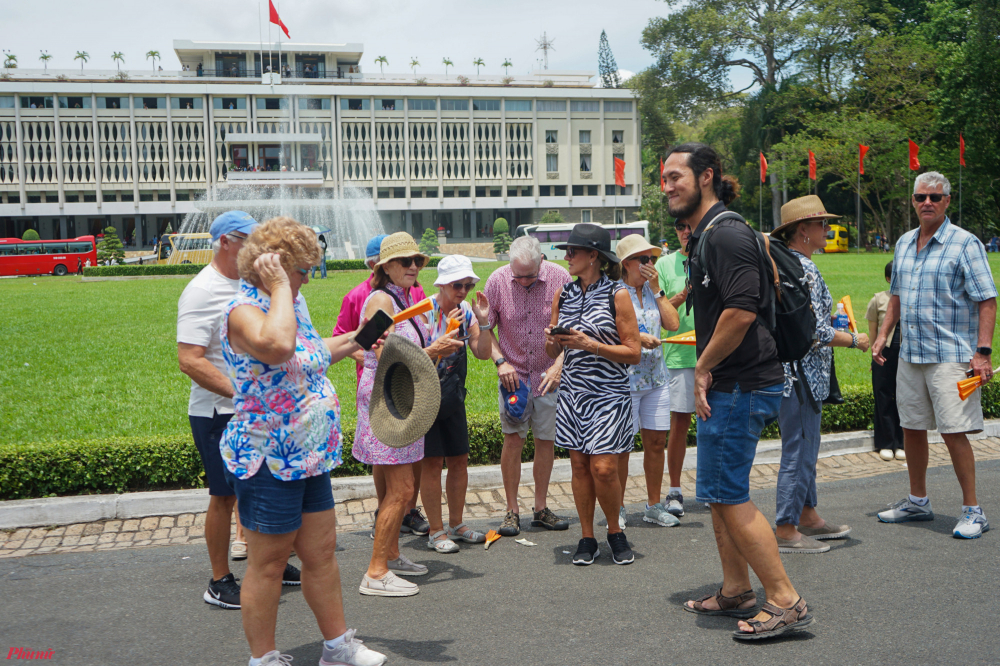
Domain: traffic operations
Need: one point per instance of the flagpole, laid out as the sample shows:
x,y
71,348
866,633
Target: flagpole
x,y
961,221
760,197
260,37
859,211
281,72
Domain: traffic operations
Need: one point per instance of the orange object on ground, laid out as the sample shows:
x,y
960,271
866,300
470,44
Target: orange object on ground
x,y
491,536
682,339
967,387
846,300
414,310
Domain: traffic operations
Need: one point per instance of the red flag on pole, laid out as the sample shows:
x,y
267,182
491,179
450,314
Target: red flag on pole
x,y
275,19
663,184
862,150
812,166
961,149
763,167
914,160
619,172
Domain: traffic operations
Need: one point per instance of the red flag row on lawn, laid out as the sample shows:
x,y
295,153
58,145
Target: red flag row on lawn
x,y
275,19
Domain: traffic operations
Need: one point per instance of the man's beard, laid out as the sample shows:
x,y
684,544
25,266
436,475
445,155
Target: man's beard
x,y
686,210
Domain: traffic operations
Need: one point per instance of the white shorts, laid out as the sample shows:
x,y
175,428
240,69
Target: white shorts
x,y
651,409
682,390
542,421
927,398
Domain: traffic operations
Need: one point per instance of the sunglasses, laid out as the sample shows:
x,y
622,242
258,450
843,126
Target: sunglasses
x,y
643,259
919,198
572,251
680,226
406,262
468,286
303,271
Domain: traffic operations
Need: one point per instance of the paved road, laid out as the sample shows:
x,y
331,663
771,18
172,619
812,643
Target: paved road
x,y
891,594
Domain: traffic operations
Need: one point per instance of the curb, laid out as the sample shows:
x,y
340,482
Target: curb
x,y
120,278
90,508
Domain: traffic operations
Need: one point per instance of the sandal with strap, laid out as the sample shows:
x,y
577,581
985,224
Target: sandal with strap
x,y
729,606
467,534
444,545
782,620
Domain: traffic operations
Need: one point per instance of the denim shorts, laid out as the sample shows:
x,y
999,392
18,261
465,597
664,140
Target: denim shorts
x,y
271,506
727,442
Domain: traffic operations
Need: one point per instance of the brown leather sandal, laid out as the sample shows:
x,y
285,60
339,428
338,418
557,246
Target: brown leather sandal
x,y
782,620
729,606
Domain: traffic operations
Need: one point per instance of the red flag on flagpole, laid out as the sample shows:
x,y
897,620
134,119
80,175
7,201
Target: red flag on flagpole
x,y
663,184
619,172
914,160
812,166
862,150
275,19
763,167
961,149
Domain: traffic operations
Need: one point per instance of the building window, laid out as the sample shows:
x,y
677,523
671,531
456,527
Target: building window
x,y
314,103
558,105
480,191
36,102
74,102
272,103
552,163
422,104
448,193
544,191
431,192
416,193
495,191
617,136
578,190
585,106
592,190
612,190
454,105
354,104
619,216
152,102
586,216
185,102
517,105
391,104
559,190
112,102
585,163
233,103
617,107
486,105
399,193
551,136
463,191
6,101
584,136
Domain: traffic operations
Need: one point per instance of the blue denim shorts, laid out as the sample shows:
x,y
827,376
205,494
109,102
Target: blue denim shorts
x,y
271,506
727,442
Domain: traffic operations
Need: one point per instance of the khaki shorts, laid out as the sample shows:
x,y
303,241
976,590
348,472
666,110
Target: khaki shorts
x,y
681,390
542,421
927,398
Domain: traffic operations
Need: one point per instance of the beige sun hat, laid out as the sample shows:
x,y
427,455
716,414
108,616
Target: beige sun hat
x,y
406,395
809,207
634,244
397,246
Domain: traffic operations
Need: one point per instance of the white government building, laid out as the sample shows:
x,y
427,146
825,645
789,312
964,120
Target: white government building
x,y
82,150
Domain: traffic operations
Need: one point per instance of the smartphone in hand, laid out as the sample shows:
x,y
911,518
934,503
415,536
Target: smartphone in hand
x,y
373,330
560,330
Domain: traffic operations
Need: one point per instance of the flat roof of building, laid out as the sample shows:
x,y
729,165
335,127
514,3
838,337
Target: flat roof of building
x,y
187,45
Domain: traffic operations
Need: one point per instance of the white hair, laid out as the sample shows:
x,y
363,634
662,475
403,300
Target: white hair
x,y
217,245
371,260
932,178
526,250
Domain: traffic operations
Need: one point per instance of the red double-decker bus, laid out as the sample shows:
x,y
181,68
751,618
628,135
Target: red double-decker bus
x,y
43,257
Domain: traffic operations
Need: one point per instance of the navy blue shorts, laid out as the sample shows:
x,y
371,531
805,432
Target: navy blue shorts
x,y
271,506
207,434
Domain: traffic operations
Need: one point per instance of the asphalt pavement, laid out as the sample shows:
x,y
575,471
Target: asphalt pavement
x,y
890,594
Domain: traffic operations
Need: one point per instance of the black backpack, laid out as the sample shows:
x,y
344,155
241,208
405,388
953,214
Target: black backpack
x,y
787,309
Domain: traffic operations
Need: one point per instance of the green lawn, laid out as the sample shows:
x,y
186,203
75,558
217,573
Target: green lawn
x,y
98,359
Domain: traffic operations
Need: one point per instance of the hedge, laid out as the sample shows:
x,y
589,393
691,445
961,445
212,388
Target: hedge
x,y
121,465
191,269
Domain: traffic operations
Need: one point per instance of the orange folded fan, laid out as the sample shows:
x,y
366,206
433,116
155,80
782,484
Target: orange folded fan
x,y
846,300
414,310
682,339
491,536
453,324
967,387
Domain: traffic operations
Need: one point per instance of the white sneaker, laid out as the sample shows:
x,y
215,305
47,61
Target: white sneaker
x,y
351,652
659,515
404,566
885,454
904,510
971,525
275,658
621,518
389,585
900,454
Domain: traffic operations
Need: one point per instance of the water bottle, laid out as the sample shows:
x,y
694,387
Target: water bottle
x,y
841,322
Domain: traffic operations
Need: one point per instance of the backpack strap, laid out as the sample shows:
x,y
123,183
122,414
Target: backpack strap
x,y
402,307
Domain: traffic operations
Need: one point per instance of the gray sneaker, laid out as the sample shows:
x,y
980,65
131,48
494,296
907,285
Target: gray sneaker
x,y
660,515
828,531
904,510
415,522
404,566
351,652
803,545
675,503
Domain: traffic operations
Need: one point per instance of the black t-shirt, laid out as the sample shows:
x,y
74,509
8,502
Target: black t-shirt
x,y
734,281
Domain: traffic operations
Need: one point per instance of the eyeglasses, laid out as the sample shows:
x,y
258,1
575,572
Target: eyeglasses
x,y
571,252
525,277
303,271
468,286
643,259
681,226
234,237
406,262
936,197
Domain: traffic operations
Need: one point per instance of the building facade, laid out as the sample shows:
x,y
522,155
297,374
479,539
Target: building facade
x,y
80,151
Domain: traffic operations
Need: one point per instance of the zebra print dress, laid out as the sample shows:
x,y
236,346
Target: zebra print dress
x,y
594,413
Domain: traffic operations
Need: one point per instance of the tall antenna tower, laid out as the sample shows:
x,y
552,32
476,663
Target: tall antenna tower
x,y
545,45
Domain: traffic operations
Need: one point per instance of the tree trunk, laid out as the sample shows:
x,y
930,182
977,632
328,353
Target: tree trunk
x,y
775,202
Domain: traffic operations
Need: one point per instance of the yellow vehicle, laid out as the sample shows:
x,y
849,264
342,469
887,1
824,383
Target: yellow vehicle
x,y
184,249
836,239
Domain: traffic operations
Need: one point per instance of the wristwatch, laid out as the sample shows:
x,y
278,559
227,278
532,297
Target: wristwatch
x,y
484,327
985,351
500,361
661,294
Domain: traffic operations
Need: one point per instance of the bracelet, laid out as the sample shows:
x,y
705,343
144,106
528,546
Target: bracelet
x,y
597,352
484,327
854,340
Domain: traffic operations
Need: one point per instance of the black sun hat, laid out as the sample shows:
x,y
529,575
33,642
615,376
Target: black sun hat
x,y
591,237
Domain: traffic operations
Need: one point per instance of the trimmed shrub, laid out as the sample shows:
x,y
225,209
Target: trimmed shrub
x,y
110,249
30,234
429,242
191,269
500,226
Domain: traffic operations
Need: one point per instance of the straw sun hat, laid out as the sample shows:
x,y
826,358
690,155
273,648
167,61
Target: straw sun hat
x,y
406,395
800,210
634,244
397,246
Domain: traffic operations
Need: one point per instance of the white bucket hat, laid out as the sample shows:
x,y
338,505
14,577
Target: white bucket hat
x,y
454,267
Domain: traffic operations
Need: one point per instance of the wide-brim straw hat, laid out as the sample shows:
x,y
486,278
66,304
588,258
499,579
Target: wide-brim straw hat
x,y
397,246
634,244
805,208
591,237
406,395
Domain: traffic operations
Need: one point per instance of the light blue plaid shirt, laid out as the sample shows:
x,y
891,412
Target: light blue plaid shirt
x,y
939,292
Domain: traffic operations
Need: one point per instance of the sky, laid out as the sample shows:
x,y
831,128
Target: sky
x,y
461,30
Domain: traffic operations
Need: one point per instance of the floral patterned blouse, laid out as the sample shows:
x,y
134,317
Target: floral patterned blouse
x,y
651,372
287,415
816,363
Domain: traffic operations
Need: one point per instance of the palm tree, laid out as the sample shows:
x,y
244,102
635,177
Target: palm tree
x,y
10,60
506,63
83,57
381,61
119,58
447,63
45,57
154,55
414,63
478,62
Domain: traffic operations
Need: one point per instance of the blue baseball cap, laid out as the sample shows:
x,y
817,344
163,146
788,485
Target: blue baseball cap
x,y
516,402
234,220
375,245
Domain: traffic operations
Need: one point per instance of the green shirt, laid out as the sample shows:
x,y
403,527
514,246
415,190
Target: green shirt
x,y
672,280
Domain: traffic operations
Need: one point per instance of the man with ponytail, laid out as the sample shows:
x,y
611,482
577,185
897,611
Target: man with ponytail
x,y
738,390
